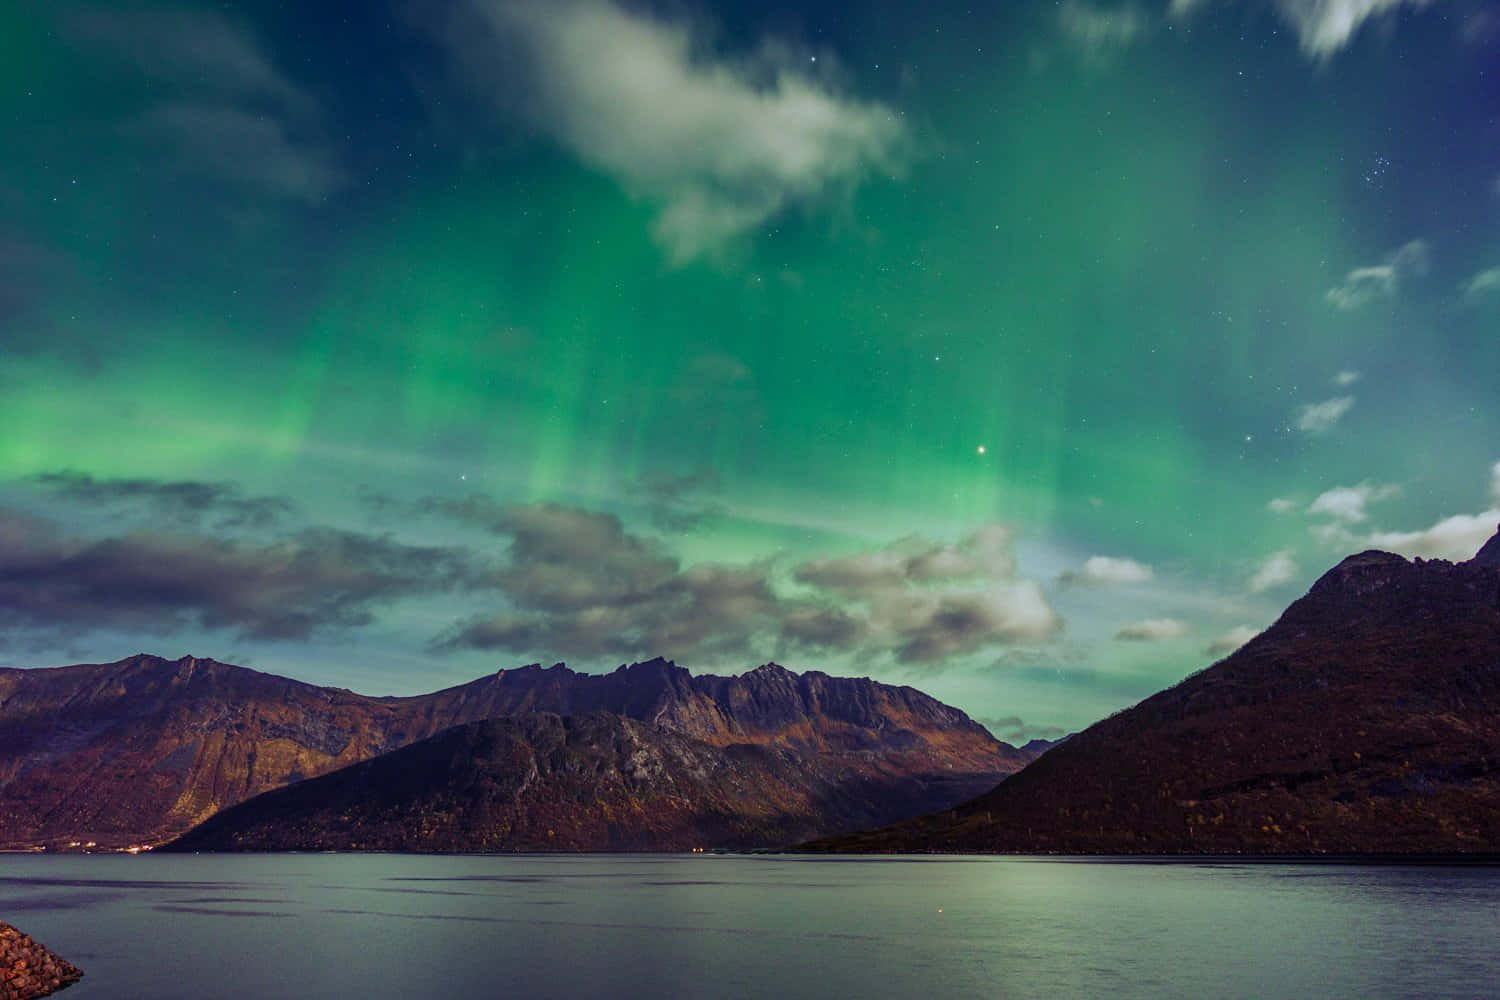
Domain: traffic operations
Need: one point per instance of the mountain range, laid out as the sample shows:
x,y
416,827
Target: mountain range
x,y
139,751
1365,720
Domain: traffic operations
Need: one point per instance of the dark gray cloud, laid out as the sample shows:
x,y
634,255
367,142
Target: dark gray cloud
x,y
184,501
812,626
577,583
682,503
318,578
580,585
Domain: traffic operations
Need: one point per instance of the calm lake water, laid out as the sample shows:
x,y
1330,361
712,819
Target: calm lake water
x,y
665,926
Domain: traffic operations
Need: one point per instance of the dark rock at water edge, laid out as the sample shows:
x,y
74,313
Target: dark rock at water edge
x,y
28,970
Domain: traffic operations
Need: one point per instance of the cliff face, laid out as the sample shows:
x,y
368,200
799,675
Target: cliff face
x,y
1367,719
543,782
141,750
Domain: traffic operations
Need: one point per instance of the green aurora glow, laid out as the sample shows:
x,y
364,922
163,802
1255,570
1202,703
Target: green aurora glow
x,y
320,257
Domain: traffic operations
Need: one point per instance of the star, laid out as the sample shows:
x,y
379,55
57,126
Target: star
x,y
980,449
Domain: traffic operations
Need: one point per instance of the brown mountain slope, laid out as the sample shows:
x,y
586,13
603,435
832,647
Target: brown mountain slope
x,y
1366,720
539,782
140,750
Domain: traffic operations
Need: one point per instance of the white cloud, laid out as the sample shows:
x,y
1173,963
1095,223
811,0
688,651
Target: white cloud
x,y
1316,418
1335,535
1229,641
1098,32
1483,284
1347,503
719,145
1325,26
1279,568
1456,538
1153,630
1346,378
923,602
1098,570
1281,505
1380,281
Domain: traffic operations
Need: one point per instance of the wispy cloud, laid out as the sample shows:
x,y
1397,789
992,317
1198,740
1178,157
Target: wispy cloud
x,y
720,144
1098,32
1346,378
185,501
1318,418
1278,568
680,503
1483,284
1281,505
1380,281
233,115
1184,8
1325,26
244,147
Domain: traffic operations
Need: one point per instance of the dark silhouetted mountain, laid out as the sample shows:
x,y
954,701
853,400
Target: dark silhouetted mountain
x,y
1365,720
540,782
141,750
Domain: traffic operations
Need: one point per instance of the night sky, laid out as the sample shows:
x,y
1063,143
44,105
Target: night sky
x,y
1034,354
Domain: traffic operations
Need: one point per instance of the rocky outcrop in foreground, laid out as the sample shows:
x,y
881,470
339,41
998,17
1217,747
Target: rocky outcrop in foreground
x,y
1365,721
28,970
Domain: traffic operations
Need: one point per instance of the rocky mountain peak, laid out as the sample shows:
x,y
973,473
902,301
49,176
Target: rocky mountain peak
x,y
771,669
1489,554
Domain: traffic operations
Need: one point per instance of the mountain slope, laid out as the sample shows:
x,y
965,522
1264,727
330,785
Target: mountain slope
x,y
143,749
1365,720
539,781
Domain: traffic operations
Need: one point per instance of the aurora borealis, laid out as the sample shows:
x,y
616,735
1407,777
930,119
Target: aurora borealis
x,y
1034,354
